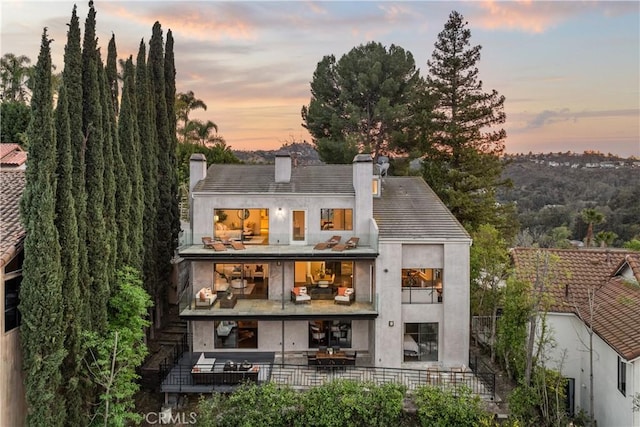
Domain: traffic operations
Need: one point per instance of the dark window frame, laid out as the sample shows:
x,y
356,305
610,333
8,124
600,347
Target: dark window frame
x,y
622,376
327,219
426,337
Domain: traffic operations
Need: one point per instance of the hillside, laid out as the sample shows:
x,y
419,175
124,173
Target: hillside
x,y
551,189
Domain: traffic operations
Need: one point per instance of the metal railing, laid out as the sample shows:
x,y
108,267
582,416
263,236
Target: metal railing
x,y
305,377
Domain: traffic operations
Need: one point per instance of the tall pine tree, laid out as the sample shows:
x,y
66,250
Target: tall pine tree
x,y
41,305
129,141
462,162
92,125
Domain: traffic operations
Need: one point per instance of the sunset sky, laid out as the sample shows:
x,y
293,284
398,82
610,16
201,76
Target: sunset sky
x,y
570,71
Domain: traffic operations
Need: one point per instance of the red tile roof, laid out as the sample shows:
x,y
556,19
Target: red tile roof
x,y
617,316
12,155
574,273
11,230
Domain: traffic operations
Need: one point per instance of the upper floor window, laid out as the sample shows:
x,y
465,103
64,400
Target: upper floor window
x,y
336,219
422,285
622,376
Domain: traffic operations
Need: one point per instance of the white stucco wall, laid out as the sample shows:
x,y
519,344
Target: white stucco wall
x,y
452,315
280,224
571,355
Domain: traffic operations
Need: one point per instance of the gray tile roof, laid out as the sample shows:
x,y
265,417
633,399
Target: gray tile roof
x,y
326,179
409,209
11,230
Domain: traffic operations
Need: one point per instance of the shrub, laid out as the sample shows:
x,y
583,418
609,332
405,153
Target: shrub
x,y
443,408
267,405
349,403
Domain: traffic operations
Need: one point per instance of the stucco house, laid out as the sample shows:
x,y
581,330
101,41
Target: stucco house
x,y
598,288
12,400
289,259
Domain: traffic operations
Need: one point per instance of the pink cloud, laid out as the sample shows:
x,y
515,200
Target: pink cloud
x,y
190,21
527,16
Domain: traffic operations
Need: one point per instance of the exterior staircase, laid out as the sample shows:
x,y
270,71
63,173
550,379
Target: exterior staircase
x,y
168,341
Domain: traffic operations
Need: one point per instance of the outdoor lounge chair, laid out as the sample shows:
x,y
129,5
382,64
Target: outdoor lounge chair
x,y
237,245
207,242
218,246
352,243
329,243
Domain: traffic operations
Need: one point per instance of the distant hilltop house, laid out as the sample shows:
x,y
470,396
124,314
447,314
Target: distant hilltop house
x,y
598,289
12,156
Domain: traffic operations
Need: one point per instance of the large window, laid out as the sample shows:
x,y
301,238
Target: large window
x,y
232,334
336,219
249,281
330,333
248,225
420,342
622,376
422,285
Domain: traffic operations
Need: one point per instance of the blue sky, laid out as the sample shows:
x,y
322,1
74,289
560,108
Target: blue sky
x,y
570,71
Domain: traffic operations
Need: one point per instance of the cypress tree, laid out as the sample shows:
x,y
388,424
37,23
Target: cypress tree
x,y
67,226
172,177
94,174
149,166
109,146
164,221
42,330
77,401
72,81
112,73
129,140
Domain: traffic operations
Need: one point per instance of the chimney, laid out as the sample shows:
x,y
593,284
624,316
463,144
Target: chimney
x,y
283,167
197,169
362,184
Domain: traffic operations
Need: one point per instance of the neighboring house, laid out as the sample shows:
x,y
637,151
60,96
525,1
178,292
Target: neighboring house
x,y
12,156
12,401
408,274
598,288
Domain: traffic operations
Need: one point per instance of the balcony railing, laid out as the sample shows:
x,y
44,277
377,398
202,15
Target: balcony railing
x,y
421,295
178,378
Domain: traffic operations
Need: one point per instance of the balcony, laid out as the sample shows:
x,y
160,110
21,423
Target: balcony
x,y
176,375
261,309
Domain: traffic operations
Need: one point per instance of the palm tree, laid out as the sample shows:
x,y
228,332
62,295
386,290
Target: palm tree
x,y
591,217
201,131
14,73
185,103
606,238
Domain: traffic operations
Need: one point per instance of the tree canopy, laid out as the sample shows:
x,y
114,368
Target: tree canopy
x,y
462,156
362,100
